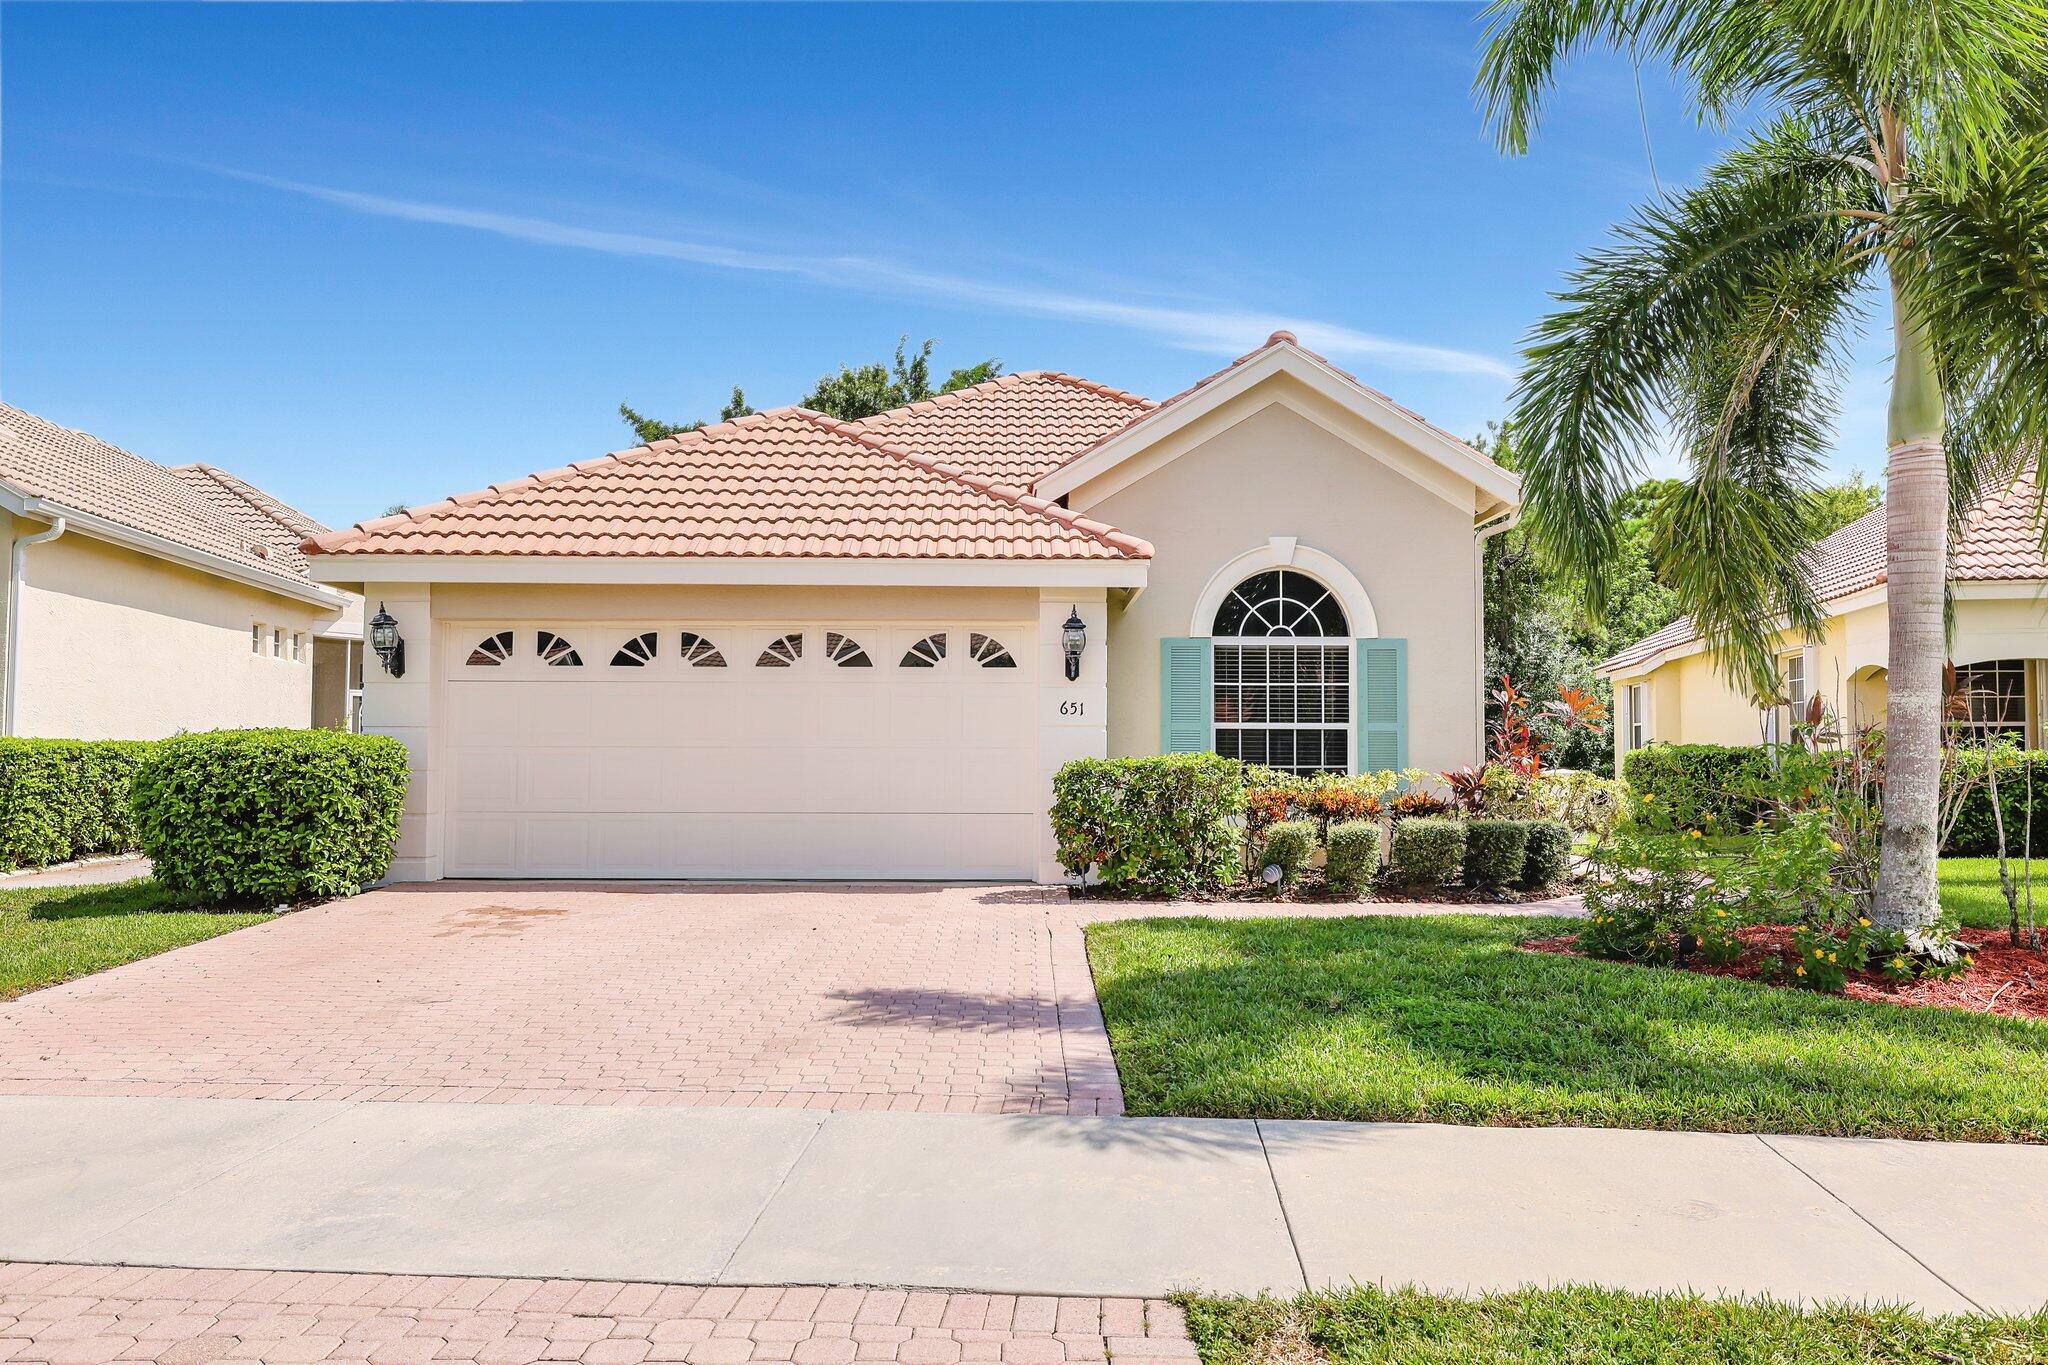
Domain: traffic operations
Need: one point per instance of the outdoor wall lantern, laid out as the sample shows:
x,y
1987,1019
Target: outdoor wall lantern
x,y
1074,635
384,638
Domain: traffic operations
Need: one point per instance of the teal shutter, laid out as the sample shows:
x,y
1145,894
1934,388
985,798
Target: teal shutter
x,y
1382,705
1187,698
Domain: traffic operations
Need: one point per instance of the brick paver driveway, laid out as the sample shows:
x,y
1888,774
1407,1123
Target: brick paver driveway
x,y
935,998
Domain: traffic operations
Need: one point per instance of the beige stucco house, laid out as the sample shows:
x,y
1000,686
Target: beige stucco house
x,y
1667,689
791,646
142,600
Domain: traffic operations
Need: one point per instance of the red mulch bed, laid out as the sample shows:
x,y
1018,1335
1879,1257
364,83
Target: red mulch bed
x,y
2002,979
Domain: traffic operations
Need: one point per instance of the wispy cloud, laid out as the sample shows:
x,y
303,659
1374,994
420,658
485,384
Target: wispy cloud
x,y
1222,331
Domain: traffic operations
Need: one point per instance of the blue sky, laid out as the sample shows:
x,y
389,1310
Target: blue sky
x,y
367,254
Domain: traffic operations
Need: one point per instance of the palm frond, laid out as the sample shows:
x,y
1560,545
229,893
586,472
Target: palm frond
x,y
1688,285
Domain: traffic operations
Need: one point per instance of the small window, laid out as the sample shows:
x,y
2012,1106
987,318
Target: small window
x,y
298,646
987,651
1638,701
845,651
491,651
637,652
699,652
257,635
926,653
277,642
556,652
782,653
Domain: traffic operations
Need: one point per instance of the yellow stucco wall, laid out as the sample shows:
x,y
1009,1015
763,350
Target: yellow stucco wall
x,y
1262,470
1692,704
120,645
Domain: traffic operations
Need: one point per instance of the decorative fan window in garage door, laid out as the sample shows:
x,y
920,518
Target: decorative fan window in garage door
x,y
1283,674
845,651
988,651
927,652
556,652
637,652
699,652
491,651
782,653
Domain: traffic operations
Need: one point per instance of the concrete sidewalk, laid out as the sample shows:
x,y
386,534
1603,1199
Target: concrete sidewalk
x,y
1012,1204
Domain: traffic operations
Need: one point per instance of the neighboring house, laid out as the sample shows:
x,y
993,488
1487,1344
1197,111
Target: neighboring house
x,y
141,601
791,646
1667,689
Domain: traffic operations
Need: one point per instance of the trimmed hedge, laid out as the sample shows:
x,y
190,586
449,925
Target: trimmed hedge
x,y
1975,836
65,798
270,816
1289,845
1159,825
1495,851
1353,859
1549,855
1428,851
1697,781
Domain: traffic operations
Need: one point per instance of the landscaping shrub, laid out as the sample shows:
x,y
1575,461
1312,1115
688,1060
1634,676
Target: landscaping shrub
x,y
65,798
1288,847
1428,851
1353,859
1716,784
270,816
1418,805
1494,852
1548,856
1974,835
1159,825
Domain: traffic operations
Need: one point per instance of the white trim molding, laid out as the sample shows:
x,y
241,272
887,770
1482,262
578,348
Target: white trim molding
x,y
1286,552
811,571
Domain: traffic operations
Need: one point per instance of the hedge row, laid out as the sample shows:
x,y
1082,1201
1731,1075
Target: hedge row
x,y
1976,836
1151,826
65,798
1703,782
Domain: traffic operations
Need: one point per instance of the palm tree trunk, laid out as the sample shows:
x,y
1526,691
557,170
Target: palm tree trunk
x,y
1916,562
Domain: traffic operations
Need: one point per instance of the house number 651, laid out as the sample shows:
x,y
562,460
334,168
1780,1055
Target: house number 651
x,y
1073,708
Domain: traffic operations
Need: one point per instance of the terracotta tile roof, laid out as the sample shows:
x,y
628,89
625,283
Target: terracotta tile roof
x,y
1277,339
1014,428
2000,542
195,506
787,482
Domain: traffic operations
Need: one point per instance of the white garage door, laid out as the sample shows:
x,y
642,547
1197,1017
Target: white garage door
x,y
839,750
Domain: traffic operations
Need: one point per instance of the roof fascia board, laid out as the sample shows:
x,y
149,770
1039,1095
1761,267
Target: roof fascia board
x,y
143,542
792,570
1375,410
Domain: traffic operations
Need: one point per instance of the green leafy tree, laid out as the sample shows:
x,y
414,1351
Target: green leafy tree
x,y
851,394
1898,164
863,391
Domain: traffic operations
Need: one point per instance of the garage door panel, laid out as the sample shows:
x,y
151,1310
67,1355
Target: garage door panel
x,y
810,772
485,780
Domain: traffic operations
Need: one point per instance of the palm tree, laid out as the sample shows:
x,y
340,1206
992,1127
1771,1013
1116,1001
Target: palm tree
x,y
1898,165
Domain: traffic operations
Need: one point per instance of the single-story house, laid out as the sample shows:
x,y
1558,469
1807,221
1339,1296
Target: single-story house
x,y
793,646
142,600
1667,689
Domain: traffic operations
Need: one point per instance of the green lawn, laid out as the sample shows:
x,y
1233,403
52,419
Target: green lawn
x,y
1587,1325
1969,888
1445,1019
53,933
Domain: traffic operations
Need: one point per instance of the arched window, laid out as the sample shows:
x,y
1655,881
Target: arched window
x,y
845,651
637,652
556,652
988,651
699,652
1283,674
491,651
782,653
926,653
